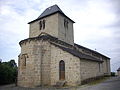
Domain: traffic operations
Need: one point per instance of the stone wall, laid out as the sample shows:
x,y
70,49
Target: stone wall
x,y
38,52
89,69
106,66
72,66
65,34
118,73
51,26
26,72
46,61
106,61
54,25
44,57
39,65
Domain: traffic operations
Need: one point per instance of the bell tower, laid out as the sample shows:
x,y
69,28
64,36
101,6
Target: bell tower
x,y
55,23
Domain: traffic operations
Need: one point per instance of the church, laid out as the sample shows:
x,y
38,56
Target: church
x,y
50,56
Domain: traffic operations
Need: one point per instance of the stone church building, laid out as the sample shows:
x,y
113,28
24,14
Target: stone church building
x,y
50,55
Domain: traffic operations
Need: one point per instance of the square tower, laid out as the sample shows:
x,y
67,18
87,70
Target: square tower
x,y
55,23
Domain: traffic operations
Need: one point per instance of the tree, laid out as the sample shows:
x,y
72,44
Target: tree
x,y
8,72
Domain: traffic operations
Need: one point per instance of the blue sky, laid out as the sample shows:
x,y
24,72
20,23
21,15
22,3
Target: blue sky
x,y
97,24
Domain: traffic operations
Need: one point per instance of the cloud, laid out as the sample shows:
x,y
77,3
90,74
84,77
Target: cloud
x,y
97,24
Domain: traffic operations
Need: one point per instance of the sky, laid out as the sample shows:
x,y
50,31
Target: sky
x,y
97,25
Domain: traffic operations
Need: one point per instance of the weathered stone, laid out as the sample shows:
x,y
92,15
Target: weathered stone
x,y
42,52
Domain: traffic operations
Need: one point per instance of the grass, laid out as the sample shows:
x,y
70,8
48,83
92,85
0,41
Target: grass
x,y
98,81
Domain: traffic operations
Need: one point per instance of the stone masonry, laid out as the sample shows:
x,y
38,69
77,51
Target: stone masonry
x,y
51,41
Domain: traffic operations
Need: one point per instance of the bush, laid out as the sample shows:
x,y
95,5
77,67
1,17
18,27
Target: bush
x,y
8,72
112,73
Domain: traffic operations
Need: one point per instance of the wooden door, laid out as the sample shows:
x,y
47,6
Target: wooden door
x,y
62,70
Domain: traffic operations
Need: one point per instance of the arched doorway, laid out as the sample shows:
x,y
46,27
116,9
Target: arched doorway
x,y
62,70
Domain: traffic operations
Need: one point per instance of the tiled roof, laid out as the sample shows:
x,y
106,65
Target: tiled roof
x,y
78,54
79,46
49,11
67,47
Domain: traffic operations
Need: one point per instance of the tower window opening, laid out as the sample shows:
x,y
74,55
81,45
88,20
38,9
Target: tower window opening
x,y
66,23
42,24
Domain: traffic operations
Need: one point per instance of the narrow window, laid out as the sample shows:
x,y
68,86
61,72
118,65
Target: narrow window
x,y
99,67
62,70
40,25
43,24
66,23
24,60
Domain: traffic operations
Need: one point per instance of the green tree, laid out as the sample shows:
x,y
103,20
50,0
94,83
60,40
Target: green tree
x,y
8,72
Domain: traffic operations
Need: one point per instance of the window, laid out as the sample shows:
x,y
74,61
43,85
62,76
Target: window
x,y
62,70
24,57
100,67
66,23
42,24
24,60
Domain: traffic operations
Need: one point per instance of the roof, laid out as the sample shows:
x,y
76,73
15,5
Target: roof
x,y
79,46
67,47
50,11
118,69
78,54
46,37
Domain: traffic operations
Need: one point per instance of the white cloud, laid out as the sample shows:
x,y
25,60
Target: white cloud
x,y
93,18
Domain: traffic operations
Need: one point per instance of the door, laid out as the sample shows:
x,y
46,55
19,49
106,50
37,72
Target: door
x,y
62,70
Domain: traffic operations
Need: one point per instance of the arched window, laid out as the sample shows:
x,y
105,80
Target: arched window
x,y
62,70
43,24
40,23
66,23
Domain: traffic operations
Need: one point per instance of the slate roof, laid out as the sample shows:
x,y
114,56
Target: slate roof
x,y
46,37
67,47
79,54
50,11
79,46
118,69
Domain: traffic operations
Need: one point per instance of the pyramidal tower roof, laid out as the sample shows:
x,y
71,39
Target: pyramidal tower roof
x,y
50,11
118,69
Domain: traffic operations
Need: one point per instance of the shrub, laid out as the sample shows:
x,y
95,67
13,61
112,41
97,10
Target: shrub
x,y
8,72
112,73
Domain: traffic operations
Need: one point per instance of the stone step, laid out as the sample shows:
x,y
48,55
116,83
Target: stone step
x,y
60,83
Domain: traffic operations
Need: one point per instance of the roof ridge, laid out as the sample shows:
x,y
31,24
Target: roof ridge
x,y
77,53
50,11
80,46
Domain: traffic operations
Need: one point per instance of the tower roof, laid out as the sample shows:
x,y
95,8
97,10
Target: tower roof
x,y
50,11
118,69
